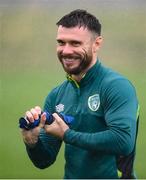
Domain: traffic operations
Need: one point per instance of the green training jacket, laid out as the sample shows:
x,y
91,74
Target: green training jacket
x,y
104,105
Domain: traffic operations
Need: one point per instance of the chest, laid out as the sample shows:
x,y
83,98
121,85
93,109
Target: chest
x,y
84,105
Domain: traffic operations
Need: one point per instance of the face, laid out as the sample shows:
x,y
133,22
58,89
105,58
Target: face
x,y
75,49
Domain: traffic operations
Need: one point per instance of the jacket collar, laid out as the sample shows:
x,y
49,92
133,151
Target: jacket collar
x,y
91,74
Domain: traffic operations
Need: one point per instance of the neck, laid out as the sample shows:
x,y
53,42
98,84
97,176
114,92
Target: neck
x,y
78,77
82,74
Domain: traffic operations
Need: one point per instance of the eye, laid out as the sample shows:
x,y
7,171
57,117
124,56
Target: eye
x,y
75,43
60,42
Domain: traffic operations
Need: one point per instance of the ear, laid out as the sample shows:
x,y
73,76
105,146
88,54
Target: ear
x,y
97,43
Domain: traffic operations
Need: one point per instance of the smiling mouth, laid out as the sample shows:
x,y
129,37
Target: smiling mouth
x,y
70,58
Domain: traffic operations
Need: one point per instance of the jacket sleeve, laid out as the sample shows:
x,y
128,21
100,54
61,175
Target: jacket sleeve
x,y
45,151
120,109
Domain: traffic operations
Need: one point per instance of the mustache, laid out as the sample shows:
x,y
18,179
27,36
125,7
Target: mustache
x,y
70,56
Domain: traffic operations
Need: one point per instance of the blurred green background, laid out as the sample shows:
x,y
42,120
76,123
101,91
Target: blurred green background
x,y
29,68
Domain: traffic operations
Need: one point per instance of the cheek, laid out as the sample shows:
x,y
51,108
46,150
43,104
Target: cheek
x,y
59,48
88,51
89,48
92,48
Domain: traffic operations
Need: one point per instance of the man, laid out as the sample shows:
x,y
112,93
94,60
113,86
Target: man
x,y
103,103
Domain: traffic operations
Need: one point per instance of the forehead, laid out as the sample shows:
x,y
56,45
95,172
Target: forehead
x,y
76,33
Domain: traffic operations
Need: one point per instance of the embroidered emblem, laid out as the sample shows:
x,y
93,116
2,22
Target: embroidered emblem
x,y
59,108
94,102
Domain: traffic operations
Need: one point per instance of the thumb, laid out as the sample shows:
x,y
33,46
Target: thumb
x,y
57,118
42,120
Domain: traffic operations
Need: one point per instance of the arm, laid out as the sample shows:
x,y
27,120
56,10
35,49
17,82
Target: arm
x,y
120,108
44,152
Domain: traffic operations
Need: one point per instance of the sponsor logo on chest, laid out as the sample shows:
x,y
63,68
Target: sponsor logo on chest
x,y
59,108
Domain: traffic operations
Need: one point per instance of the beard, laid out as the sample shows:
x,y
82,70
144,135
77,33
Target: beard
x,y
84,60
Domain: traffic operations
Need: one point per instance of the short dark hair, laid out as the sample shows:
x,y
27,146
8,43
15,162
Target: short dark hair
x,y
81,18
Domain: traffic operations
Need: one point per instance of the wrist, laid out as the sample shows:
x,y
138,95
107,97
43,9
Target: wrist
x,y
66,134
31,144
64,130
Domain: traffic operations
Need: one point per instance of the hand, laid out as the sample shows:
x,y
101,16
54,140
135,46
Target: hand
x,y
57,128
30,137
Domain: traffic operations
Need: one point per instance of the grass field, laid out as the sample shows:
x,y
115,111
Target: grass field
x,y
29,69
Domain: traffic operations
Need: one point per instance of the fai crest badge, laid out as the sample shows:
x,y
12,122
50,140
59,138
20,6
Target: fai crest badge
x,y
94,102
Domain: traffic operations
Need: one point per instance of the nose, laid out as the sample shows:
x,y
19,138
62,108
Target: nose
x,y
67,49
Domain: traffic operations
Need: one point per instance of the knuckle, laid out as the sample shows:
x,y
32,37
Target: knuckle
x,y
29,116
38,109
34,113
32,110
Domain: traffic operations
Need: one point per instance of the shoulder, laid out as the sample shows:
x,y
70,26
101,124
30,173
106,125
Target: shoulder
x,y
112,77
114,83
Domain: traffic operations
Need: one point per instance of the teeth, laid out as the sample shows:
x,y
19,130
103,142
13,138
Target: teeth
x,y
68,59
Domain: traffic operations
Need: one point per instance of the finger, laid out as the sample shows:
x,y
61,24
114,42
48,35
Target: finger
x,y
57,118
38,109
34,113
60,121
29,116
42,120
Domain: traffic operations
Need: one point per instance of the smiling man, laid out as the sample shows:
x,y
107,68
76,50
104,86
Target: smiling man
x,y
77,49
101,139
